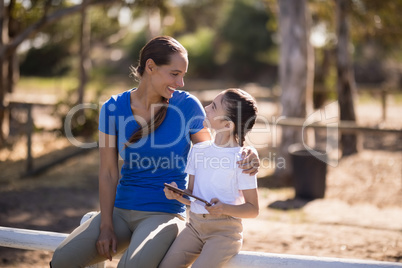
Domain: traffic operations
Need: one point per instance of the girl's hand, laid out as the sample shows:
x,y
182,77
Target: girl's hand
x,y
170,194
107,241
250,162
217,207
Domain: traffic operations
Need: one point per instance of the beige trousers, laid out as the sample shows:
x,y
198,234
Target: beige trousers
x,y
144,236
207,241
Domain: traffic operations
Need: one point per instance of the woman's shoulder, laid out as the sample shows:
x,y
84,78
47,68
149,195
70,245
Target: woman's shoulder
x,y
116,100
121,96
184,97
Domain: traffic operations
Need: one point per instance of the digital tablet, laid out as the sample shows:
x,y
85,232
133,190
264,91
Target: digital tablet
x,y
181,192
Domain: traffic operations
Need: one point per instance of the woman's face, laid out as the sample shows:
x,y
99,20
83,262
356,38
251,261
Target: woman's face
x,y
168,78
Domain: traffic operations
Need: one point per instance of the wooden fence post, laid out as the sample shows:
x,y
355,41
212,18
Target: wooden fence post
x,y
29,131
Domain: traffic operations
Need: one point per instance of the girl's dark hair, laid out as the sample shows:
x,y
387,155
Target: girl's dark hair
x,y
159,49
242,110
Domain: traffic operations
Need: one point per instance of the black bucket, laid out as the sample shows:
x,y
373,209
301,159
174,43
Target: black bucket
x,y
309,171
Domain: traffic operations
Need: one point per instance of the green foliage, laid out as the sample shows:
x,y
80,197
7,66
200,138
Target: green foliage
x,y
245,28
84,122
201,14
55,57
49,60
174,23
151,4
103,23
134,47
200,51
47,85
371,23
380,19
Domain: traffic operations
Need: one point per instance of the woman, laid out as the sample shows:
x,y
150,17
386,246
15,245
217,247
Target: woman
x,y
151,128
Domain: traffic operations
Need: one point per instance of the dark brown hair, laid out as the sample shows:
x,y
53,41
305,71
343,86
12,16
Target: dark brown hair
x,y
159,49
241,109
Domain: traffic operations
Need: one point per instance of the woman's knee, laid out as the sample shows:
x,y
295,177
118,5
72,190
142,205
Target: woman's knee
x,y
150,242
73,256
61,261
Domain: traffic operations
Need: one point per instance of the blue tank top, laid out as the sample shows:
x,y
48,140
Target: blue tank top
x,y
158,157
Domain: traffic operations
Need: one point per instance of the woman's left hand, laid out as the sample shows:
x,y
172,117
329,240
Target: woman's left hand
x,y
250,162
217,207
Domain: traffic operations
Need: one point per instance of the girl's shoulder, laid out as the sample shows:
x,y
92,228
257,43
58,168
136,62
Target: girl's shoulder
x,y
203,145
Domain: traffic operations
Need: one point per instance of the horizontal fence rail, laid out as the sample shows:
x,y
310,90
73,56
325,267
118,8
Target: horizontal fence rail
x,y
30,239
343,126
43,240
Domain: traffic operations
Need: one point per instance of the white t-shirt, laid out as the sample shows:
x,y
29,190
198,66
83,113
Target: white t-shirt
x,y
216,175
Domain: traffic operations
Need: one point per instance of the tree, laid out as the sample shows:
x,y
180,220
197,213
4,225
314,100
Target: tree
x,y
8,46
245,30
85,44
3,22
156,11
201,14
295,73
346,85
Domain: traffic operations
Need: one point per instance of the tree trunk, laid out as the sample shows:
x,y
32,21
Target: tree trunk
x,y
296,74
3,24
346,85
154,22
8,47
321,92
12,71
85,40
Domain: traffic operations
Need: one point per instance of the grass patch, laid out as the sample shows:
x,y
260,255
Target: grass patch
x,y
46,85
60,86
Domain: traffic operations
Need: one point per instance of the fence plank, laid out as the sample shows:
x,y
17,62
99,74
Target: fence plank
x,y
42,240
270,260
30,239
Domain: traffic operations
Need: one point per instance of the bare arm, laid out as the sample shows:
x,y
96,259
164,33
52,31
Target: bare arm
x,y
250,209
200,136
108,179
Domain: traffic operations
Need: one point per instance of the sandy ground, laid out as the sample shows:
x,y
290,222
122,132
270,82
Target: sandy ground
x,y
360,216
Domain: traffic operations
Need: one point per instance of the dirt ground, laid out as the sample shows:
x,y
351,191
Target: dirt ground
x,y
360,216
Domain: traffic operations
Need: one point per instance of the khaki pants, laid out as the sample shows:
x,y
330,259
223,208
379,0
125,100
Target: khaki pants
x,y
208,241
146,237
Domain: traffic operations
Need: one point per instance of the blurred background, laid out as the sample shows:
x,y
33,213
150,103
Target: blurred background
x,y
296,57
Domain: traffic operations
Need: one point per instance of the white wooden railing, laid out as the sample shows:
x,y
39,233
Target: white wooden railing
x,y
42,240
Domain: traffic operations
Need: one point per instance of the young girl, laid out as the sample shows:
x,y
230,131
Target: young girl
x,y
214,233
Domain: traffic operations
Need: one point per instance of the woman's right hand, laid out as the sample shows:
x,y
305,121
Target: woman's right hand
x,y
170,194
106,243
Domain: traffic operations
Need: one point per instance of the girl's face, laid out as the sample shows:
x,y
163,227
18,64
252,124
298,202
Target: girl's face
x,y
167,78
216,114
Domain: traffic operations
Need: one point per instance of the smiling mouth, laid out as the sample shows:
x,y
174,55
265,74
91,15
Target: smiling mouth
x,y
171,89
